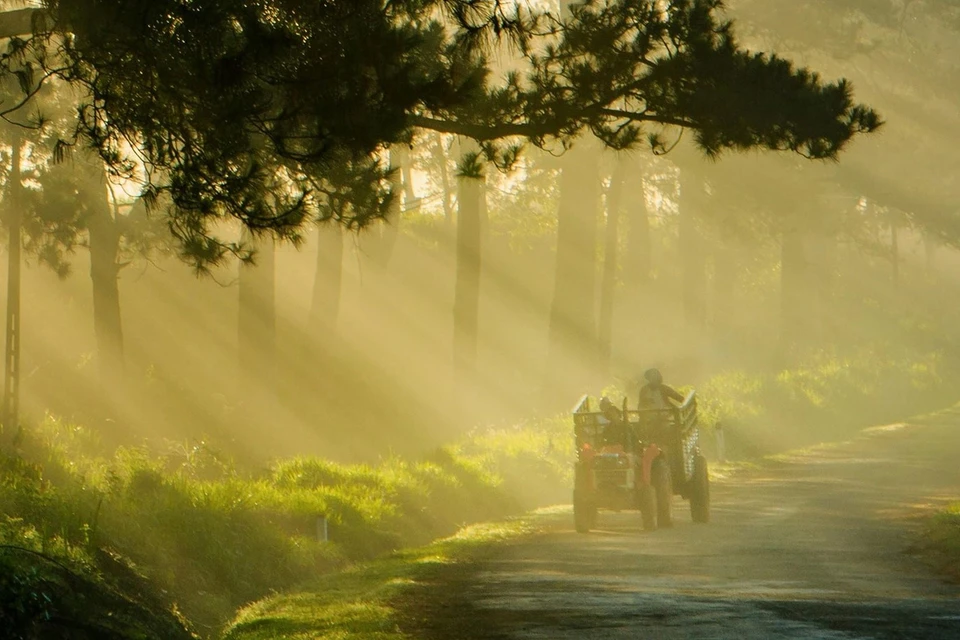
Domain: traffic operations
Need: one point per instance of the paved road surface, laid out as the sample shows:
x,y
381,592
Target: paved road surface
x,y
814,547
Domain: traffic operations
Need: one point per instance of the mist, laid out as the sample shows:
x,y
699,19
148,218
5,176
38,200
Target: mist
x,y
290,287
377,374
582,269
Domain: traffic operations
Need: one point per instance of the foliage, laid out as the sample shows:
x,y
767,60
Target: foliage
x,y
523,212
71,197
277,113
62,195
55,583
534,459
826,397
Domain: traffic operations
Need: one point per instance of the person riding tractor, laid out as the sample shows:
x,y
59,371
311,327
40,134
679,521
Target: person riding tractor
x,y
616,432
655,394
660,399
639,459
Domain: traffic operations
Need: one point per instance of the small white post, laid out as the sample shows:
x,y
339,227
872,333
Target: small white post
x,y
721,454
323,529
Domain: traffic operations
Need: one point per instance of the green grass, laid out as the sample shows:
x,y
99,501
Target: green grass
x,y
366,601
828,397
204,539
940,542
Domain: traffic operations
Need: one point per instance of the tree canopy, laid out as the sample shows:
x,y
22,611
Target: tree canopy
x,y
277,112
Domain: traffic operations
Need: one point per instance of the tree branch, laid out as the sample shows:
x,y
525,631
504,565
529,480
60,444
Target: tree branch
x,y
481,132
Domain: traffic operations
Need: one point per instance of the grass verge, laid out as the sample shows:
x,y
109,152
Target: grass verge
x,y
369,601
940,541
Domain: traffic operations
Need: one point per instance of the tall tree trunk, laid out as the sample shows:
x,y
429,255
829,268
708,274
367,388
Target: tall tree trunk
x,y
573,331
608,282
410,200
638,256
11,388
794,303
466,305
379,239
327,279
256,336
725,265
104,274
822,259
445,185
573,325
692,254
630,320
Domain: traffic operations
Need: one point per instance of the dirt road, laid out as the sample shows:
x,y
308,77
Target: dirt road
x,y
813,547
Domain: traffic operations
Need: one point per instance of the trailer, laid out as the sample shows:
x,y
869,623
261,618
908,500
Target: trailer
x,y
638,460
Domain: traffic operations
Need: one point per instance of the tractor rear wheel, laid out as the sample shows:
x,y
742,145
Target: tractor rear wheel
x,y
700,491
663,485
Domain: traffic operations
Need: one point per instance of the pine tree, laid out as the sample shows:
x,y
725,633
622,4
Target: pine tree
x,y
243,110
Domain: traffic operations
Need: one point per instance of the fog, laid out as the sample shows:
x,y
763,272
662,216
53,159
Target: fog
x,y
381,377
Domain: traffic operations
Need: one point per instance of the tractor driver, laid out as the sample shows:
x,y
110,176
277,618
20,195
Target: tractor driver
x,y
655,394
659,397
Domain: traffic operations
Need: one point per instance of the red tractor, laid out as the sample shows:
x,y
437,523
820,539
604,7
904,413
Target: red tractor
x,y
637,460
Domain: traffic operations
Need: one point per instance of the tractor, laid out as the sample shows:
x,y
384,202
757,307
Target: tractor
x,y
654,454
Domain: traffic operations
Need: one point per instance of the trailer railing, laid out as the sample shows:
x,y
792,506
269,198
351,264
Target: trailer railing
x,y
673,427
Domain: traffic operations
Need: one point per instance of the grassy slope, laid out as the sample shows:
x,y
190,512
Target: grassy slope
x,y
199,538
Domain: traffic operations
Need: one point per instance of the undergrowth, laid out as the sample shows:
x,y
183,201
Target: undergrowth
x,y
198,539
828,397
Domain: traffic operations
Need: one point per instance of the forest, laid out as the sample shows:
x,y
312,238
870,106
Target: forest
x,y
364,252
